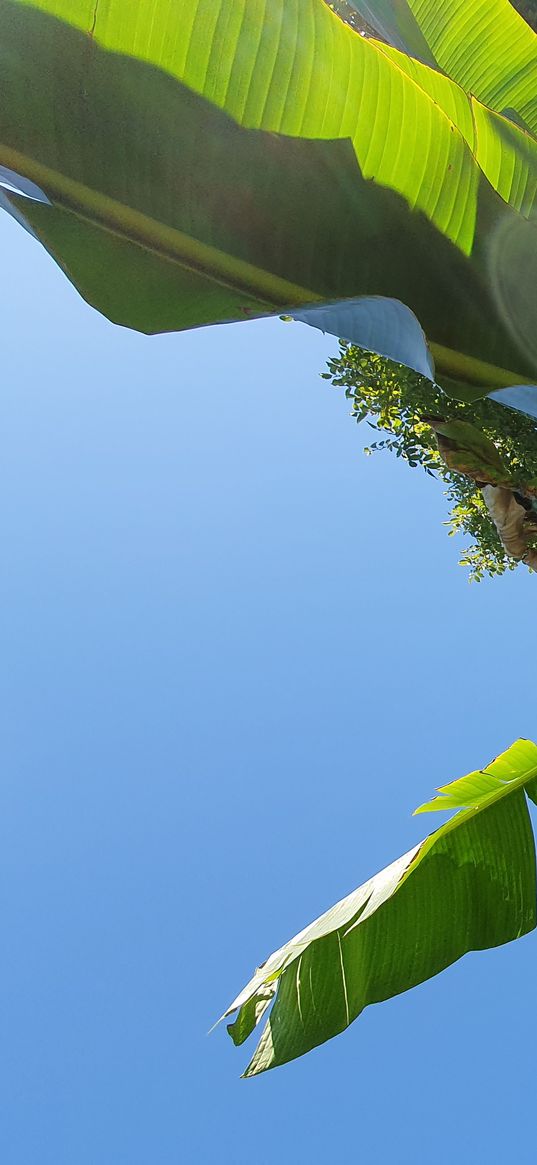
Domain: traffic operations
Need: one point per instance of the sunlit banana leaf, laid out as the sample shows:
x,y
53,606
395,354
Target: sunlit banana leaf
x,y
484,45
469,886
210,160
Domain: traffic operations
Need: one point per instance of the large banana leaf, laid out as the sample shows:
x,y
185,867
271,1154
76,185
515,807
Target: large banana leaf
x,y
468,886
206,160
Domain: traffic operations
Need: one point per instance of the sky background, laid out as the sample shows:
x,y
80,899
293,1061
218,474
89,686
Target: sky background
x,y
235,654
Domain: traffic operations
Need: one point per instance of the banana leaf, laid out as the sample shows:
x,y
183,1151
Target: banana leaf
x,y
211,160
470,885
484,45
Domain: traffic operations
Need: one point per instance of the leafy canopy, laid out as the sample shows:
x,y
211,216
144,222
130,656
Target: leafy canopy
x,y
394,401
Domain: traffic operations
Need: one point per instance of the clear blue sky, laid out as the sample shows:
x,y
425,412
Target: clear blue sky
x,y
235,654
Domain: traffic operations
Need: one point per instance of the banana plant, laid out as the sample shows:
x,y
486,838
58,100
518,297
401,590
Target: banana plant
x,y
469,886
188,162
213,160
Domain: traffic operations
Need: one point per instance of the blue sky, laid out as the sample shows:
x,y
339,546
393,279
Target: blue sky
x,y
235,655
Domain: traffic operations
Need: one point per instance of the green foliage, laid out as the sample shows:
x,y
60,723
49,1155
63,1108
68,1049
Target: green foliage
x,y
469,886
393,400
331,168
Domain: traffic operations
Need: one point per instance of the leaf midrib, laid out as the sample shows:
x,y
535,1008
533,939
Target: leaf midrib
x,y
168,243
271,291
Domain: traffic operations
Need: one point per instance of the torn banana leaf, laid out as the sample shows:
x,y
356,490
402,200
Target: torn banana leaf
x,y
469,886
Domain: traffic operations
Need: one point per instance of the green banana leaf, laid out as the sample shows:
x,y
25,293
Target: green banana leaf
x,y
393,21
484,45
469,886
210,160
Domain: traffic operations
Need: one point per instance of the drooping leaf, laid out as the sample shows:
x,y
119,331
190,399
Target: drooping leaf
x,y
381,325
466,449
222,159
469,886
